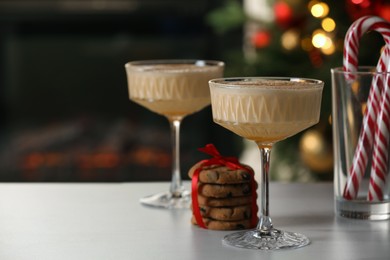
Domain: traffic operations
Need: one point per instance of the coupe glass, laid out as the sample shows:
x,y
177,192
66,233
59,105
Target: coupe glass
x,y
265,110
174,89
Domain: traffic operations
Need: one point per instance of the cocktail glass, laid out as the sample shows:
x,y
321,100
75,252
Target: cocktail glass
x,y
265,110
174,89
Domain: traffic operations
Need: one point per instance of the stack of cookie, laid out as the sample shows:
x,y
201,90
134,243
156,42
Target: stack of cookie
x,y
226,197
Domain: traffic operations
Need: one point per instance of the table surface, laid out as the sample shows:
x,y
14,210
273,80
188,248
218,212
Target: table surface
x,y
106,221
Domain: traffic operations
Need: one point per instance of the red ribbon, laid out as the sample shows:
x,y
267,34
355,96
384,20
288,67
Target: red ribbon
x,y
232,163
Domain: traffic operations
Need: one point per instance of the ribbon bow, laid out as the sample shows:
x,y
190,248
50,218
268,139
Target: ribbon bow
x,y
218,159
231,162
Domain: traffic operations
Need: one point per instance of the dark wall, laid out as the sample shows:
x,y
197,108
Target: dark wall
x,y
64,108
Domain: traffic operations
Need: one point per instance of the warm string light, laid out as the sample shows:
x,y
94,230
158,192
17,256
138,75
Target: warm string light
x,y
319,9
321,41
319,38
328,24
290,39
323,38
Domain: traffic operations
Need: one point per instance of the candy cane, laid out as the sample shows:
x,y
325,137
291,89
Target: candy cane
x,y
379,166
366,138
354,34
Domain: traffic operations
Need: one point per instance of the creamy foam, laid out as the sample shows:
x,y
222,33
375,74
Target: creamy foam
x,y
175,68
269,83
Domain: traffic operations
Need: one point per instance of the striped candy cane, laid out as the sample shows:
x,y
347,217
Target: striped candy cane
x,y
366,138
354,34
379,166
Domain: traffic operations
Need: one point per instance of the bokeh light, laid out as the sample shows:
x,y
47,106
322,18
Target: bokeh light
x,y
328,24
290,39
328,48
319,39
319,10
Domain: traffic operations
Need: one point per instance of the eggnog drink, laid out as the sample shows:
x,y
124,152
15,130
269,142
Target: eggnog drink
x,y
172,89
266,110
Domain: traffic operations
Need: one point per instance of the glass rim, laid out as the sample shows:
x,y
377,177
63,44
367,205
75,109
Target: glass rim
x,y
361,70
229,82
198,62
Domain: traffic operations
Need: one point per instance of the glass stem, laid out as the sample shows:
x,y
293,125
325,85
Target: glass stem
x,y
265,223
176,183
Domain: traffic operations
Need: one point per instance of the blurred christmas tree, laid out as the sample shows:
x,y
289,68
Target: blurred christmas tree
x,y
297,38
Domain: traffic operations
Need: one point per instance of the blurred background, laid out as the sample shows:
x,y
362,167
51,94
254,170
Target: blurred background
x,y
64,108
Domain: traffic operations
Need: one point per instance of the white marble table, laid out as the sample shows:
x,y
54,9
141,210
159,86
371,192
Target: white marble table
x,y
105,221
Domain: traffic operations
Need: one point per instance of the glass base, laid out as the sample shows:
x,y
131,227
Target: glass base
x,y
168,201
273,240
361,208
